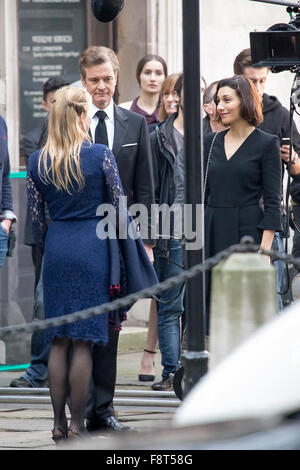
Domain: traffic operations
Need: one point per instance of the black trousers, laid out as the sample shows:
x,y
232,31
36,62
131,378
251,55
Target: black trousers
x,y
37,259
102,389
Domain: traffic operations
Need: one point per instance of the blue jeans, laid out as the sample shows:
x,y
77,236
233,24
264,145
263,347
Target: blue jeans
x,y
169,313
3,245
280,272
37,373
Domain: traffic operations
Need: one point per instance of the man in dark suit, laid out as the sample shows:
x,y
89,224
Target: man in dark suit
x,y
126,134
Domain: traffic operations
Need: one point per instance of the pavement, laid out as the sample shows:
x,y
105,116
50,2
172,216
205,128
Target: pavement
x,y
28,426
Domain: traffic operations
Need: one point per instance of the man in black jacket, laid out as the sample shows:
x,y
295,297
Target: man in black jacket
x,y
127,135
276,117
276,121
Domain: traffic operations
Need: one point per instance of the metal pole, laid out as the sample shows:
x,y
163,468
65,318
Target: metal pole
x,y
195,358
118,393
46,400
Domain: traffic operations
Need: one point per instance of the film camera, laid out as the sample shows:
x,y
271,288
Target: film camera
x,y
279,47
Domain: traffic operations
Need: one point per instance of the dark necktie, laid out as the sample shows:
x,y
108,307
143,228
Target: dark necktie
x,y
101,133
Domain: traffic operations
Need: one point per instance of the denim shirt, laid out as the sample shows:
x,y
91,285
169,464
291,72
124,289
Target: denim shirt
x,y
6,203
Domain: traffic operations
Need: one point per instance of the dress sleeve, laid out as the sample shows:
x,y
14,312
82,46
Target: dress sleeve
x,y
271,186
37,210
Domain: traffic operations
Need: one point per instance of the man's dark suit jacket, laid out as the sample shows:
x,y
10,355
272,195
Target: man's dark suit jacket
x,y
132,151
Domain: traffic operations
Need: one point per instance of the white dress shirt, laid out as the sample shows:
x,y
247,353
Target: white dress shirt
x,y
109,122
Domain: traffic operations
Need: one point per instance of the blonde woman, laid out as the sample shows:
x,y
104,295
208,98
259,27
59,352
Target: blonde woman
x,y
74,177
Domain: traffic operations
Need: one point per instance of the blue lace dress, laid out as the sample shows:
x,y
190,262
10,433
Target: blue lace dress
x,y
76,272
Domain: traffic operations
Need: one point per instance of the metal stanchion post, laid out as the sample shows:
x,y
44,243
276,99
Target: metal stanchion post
x,y
195,358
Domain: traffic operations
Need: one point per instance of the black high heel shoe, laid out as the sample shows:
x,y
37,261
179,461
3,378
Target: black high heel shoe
x,y
58,435
147,377
74,434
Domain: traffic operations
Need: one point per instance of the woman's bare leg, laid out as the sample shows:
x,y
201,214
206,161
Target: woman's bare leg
x,y
147,361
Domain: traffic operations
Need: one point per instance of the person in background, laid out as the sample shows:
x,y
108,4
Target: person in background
x,y
7,216
211,123
167,142
31,140
168,106
277,122
151,72
169,99
36,375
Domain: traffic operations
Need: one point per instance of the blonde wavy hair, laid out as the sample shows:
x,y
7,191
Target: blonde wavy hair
x,y
65,139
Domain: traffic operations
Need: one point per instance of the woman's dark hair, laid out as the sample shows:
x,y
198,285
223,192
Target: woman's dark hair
x,y
251,105
146,59
53,84
209,93
179,84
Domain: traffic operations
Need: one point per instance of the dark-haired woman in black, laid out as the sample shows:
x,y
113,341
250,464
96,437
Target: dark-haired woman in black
x,y
242,168
151,72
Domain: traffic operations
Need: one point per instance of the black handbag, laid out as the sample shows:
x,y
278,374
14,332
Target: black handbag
x,y
292,222
285,222
11,241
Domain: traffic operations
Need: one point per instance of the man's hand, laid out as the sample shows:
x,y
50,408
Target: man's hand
x,y
285,153
149,251
6,223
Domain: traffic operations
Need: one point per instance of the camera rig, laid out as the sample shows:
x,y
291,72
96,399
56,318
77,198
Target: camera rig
x,y
278,48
